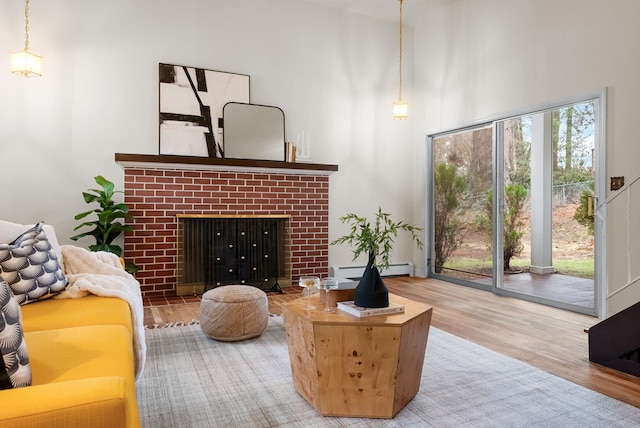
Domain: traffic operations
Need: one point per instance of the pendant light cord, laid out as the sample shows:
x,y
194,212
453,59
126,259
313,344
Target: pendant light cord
x,y
26,26
400,86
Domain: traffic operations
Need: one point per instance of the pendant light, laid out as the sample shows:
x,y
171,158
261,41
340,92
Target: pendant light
x,y
25,63
400,108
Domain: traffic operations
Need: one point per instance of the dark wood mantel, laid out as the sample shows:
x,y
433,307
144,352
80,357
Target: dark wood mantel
x,y
197,162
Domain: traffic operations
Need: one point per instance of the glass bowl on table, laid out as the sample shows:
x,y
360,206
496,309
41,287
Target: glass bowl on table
x,y
308,282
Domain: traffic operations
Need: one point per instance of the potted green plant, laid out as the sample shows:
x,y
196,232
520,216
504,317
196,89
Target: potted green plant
x,y
108,225
376,241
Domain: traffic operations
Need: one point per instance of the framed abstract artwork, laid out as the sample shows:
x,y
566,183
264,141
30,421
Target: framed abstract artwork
x,y
191,107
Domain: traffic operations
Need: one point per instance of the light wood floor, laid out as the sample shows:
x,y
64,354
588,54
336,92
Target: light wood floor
x,y
548,338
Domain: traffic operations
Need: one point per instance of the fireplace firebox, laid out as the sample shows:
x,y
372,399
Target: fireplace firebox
x,y
217,250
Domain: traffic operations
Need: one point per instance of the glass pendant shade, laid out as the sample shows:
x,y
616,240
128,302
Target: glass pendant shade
x,y
26,64
400,110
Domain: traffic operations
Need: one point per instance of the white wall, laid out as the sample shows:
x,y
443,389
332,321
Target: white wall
x,y
476,60
334,74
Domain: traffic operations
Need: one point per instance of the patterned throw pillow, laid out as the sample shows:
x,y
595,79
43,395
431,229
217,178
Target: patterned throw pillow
x,y
30,266
15,371
9,231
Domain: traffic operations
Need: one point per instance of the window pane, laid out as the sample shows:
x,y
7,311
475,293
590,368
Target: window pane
x,y
462,189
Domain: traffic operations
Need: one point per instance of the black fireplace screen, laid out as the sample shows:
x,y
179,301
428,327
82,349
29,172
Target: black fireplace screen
x,y
223,251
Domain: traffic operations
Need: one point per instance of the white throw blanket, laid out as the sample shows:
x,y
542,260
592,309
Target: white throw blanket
x,y
101,273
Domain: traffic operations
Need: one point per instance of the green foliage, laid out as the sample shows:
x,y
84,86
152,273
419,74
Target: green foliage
x,y
581,268
450,188
375,240
582,215
573,175
521,174
108,225
484,220
515,196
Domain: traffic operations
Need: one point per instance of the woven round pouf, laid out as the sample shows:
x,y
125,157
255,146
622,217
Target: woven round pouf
x,y
234,312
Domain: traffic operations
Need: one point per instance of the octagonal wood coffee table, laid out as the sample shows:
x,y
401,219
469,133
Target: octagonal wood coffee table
x,y
360,367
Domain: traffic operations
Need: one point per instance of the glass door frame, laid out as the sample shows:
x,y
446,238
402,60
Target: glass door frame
x,y
600,269
429,227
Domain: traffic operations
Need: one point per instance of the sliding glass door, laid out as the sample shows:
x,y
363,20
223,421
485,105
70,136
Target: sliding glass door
x,y
514,209
462,183
547,195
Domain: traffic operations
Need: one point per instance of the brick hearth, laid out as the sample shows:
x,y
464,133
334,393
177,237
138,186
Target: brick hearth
x,y
156,194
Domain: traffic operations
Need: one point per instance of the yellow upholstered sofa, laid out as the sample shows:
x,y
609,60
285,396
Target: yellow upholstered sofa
x,y
82,359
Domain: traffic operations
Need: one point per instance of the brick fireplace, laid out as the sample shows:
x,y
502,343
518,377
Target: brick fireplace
x,y
159,188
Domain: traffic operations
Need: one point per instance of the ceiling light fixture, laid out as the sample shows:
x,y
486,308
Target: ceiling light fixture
x,y
400,108
25,63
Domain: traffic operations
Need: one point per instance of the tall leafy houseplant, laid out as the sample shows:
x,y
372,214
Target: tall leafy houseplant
x,y
375,240
108,224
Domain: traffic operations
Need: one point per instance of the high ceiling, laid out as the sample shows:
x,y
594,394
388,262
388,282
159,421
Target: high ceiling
x,y
383,9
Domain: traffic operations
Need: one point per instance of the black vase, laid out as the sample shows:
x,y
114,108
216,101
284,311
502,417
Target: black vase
x,y
371,291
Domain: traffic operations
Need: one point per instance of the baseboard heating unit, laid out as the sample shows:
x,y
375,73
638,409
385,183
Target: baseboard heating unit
x,y
356,271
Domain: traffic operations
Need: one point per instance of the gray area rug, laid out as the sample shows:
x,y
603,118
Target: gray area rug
x,y
193,381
